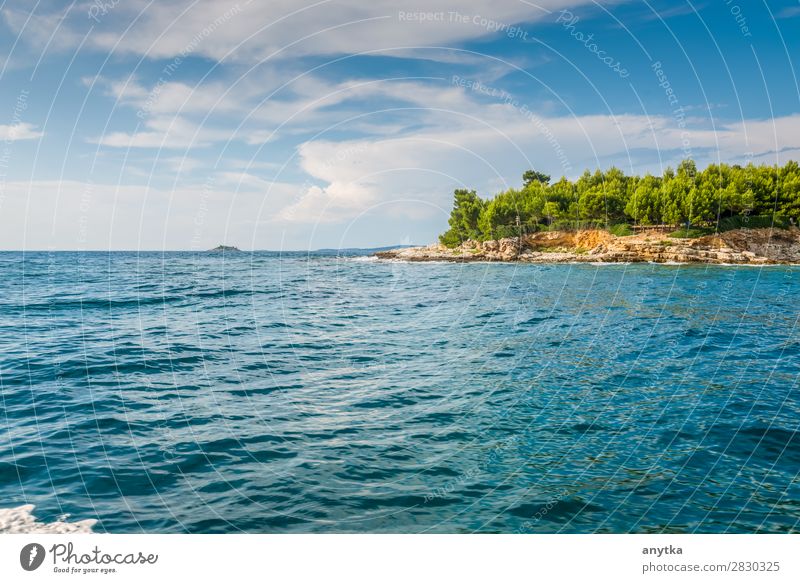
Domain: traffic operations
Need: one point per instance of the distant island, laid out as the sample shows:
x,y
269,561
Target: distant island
x,y
224,248
722,214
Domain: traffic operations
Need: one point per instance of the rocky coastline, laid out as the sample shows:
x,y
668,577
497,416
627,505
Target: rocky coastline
x,y
741,246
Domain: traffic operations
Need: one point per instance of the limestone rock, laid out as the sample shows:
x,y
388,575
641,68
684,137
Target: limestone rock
x,y
757,246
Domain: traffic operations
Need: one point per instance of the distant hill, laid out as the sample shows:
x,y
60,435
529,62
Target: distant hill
x,y
343,251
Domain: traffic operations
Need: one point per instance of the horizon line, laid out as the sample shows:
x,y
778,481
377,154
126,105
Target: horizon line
x,y
209,250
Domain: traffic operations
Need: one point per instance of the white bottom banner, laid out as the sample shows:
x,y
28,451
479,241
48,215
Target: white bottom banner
x,y
399,558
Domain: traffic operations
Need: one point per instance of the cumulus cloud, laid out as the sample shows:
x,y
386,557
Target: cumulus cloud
x,y
341,146
253,31
392,178
19,131
307,105
358,175
165,132
443,136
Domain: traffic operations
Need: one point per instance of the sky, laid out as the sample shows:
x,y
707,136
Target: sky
x,y
285,125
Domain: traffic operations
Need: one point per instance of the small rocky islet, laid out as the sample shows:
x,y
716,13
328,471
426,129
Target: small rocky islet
x,y
224,249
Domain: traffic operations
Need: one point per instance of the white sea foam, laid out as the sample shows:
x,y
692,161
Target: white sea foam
x,y
429,261
20,520
364,258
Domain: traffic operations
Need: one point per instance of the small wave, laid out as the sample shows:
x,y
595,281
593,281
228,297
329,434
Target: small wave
x,y
425,261
20,520
758,265
90,303
363,259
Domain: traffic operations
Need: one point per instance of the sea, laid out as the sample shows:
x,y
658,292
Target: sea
x,y
330,392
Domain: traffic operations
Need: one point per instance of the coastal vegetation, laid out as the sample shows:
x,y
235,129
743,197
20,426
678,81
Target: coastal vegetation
x,y
687,201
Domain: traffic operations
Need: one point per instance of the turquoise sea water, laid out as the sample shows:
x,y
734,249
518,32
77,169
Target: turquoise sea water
x,y
315,393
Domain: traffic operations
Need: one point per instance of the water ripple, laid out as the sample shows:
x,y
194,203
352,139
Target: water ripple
x,y
301,393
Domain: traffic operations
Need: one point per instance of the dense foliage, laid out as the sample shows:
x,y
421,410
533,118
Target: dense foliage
x,y
683,197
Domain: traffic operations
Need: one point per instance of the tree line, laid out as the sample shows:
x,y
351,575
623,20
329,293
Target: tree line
x,y
680,197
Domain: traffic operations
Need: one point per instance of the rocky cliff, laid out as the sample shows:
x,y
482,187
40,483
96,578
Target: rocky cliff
x,y
743,246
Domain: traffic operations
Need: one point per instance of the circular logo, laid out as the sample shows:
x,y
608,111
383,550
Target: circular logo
x,y
31,556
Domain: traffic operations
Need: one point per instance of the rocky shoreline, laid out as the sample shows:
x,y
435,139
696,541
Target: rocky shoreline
x,y
742,246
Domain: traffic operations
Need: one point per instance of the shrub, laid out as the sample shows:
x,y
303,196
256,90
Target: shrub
x,y
450,239
621,230
690,233
753,222
568,225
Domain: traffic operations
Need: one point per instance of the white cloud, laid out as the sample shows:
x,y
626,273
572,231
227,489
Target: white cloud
x,y
169,97
359,175
306,105
387,182
165,132
41,30
393,148
19,131
252,31
65,214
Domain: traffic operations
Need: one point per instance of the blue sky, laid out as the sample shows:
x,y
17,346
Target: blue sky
x,y
130,124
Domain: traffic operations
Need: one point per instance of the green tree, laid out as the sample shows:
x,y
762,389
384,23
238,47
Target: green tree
x,y
675,192
681,196
703,202
603,196
560,196
499,220
531,176
644,205
763,182
789,191
464,218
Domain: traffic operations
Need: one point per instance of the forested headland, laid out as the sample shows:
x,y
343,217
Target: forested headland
x,y
694,202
